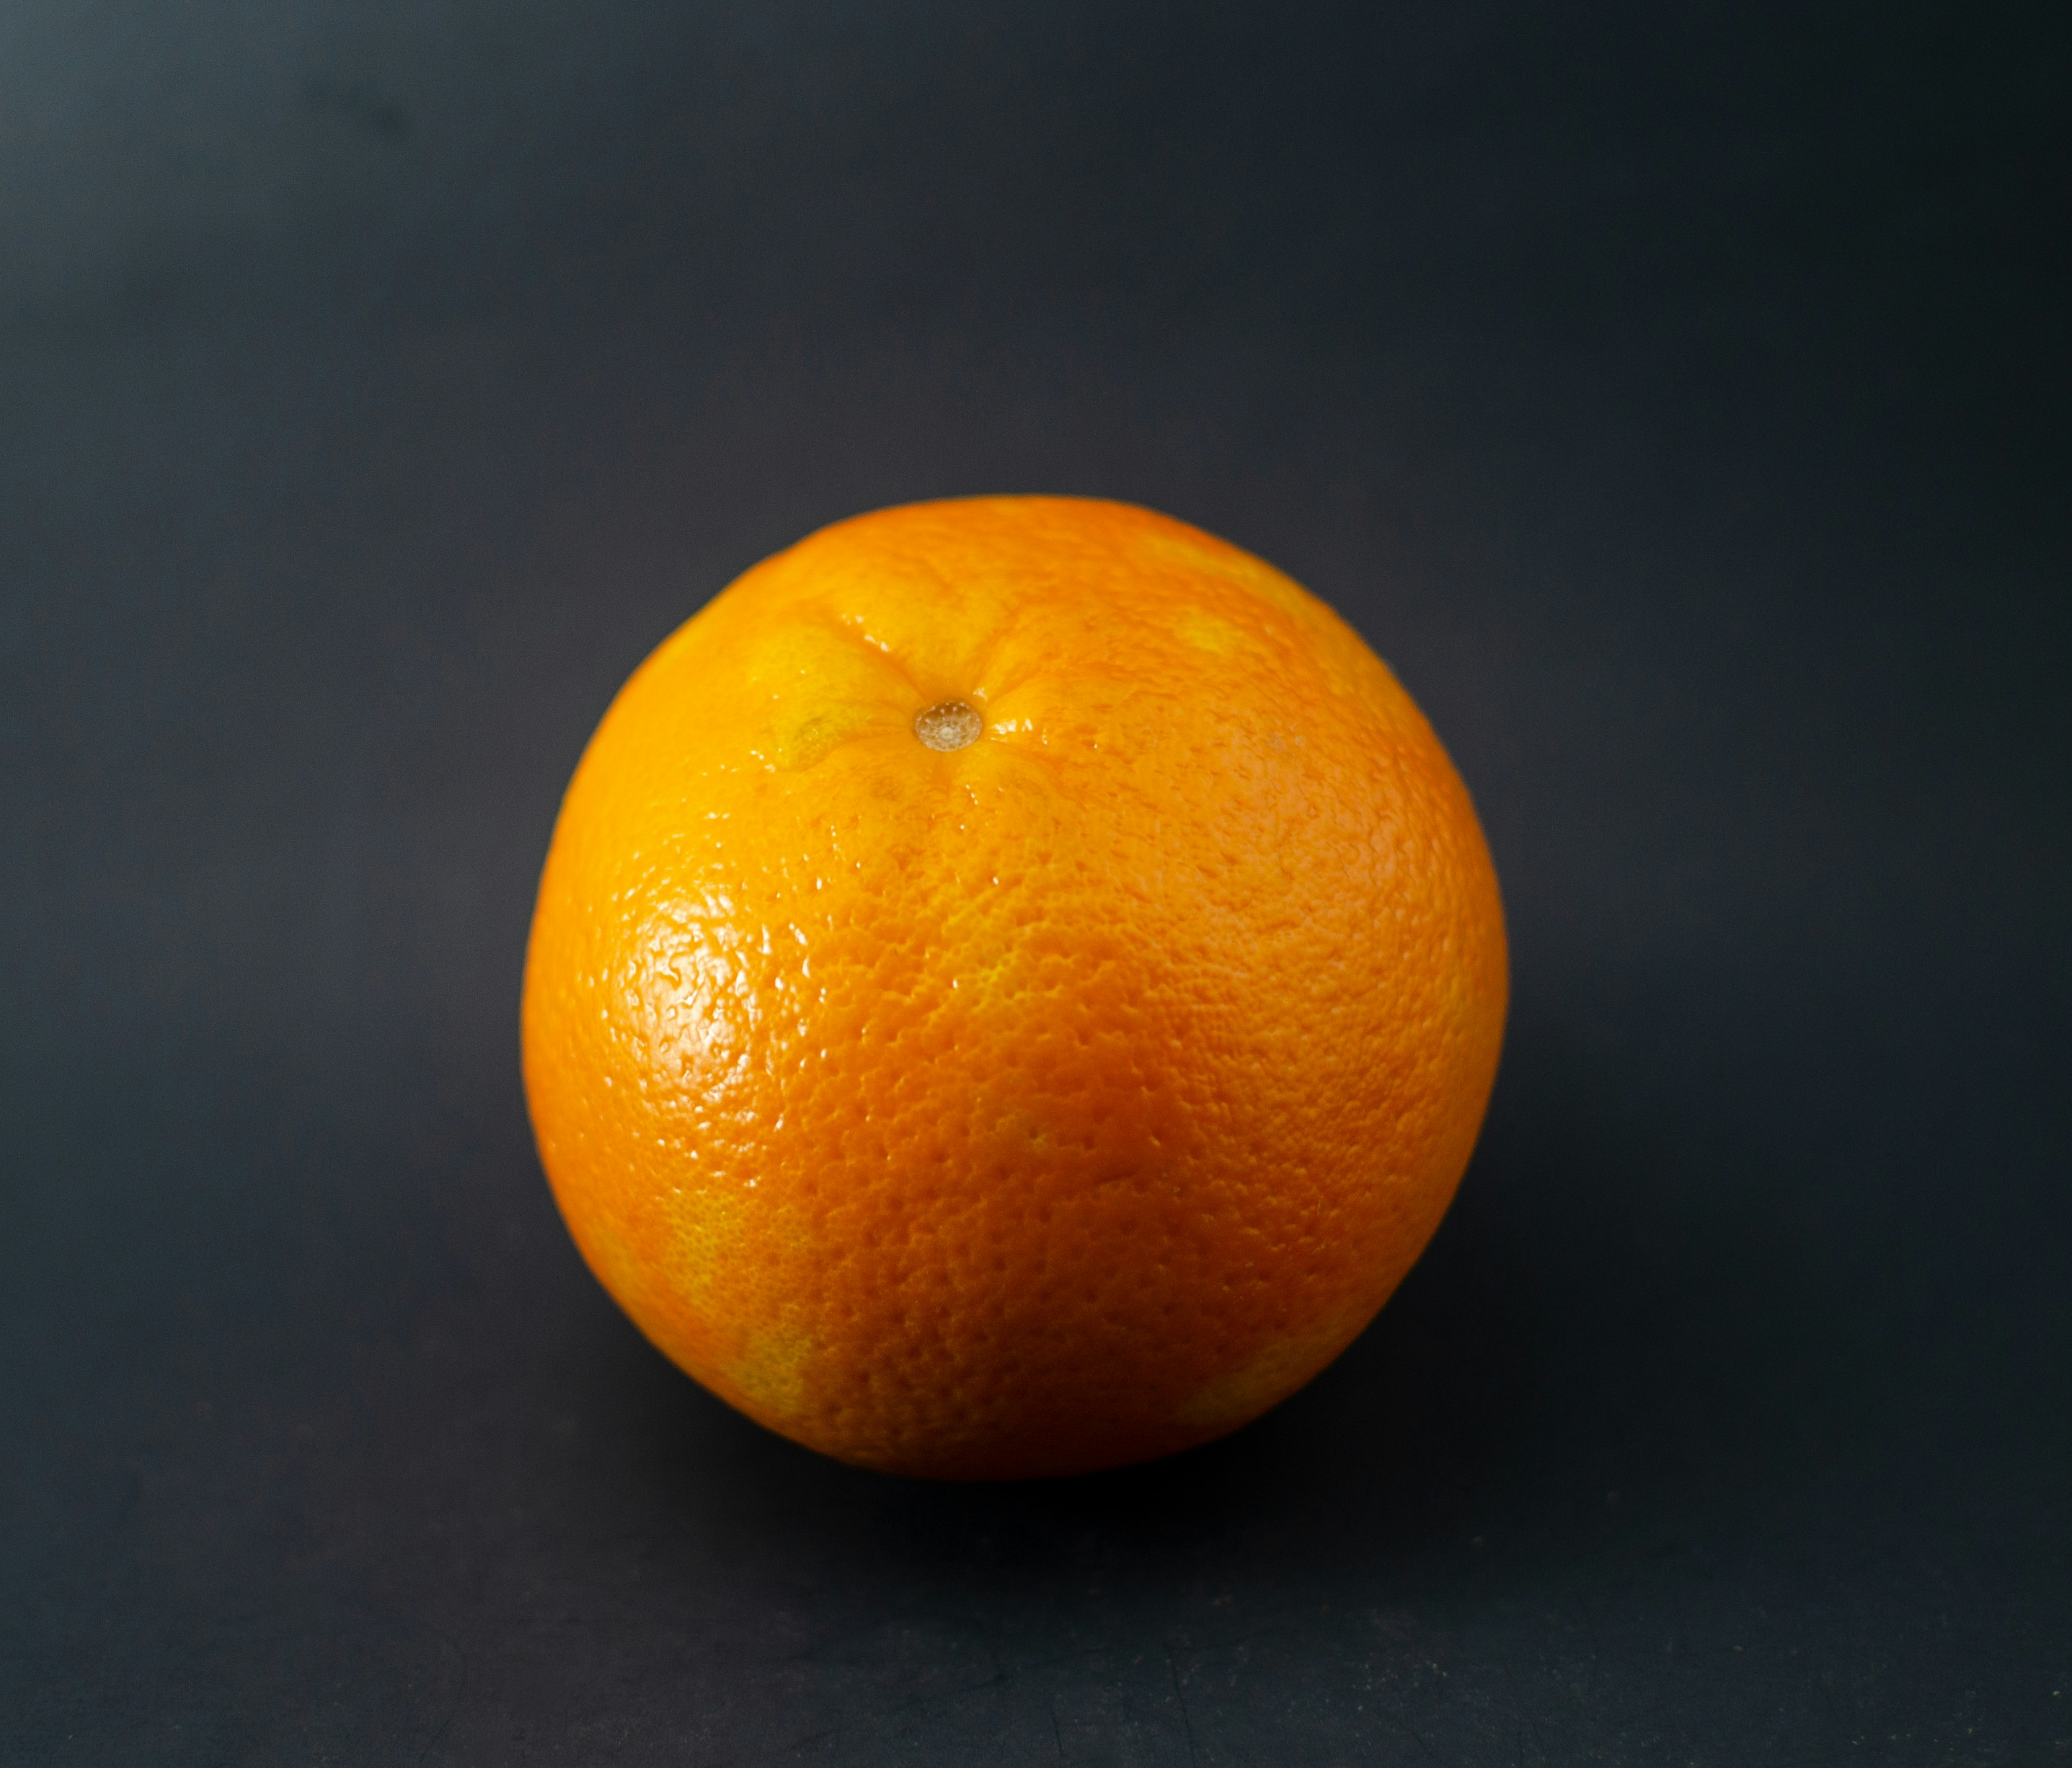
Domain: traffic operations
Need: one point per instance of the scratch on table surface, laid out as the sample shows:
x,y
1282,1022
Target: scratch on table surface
x,y
1403,1725
1186,1718
460,1693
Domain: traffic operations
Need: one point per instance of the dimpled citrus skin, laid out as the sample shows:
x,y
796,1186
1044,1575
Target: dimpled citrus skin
x,y
1037,1105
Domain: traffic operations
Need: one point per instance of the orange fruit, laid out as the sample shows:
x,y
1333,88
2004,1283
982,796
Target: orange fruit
x,y
1014,986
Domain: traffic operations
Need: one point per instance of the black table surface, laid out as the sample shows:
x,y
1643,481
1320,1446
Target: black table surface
x,y
1677,397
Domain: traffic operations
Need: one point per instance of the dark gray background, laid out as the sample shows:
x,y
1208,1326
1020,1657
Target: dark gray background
x,y
1677,396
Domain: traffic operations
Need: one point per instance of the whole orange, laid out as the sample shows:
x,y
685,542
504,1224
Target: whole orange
x,y
1014,986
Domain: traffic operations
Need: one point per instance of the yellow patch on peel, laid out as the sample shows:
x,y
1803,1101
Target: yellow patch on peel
x,y
1206,632
1282,592
1264,1379
806,688
814,737
705,1234
770,1374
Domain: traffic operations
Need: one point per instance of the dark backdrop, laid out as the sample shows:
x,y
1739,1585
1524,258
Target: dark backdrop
x,y
1677,396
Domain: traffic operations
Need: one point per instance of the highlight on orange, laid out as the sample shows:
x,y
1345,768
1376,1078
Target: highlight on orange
x,y
1014,986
